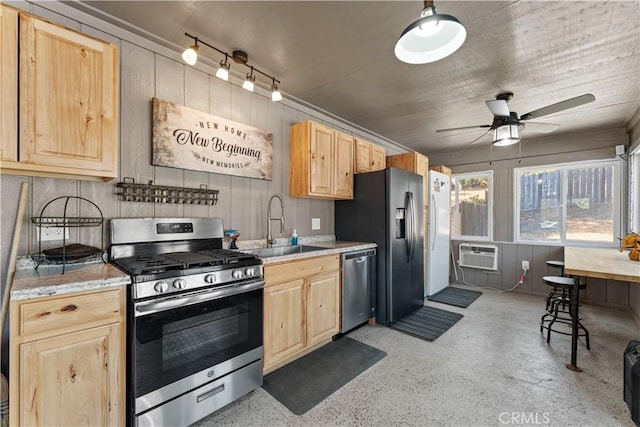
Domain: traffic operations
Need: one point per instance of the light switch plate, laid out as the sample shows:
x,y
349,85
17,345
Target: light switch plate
x,y
315,223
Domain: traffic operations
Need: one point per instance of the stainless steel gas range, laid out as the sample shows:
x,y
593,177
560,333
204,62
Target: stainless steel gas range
x,y
194,318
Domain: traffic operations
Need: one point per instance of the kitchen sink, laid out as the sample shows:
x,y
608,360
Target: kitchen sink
x,y
283,250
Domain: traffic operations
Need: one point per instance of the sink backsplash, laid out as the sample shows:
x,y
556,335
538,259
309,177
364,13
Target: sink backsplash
x,y
280,241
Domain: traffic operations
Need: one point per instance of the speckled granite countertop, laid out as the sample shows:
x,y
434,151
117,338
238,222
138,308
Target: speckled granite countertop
x,y
48,280
332,247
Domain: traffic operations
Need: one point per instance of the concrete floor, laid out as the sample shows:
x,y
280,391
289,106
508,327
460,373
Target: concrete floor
x,y
491,368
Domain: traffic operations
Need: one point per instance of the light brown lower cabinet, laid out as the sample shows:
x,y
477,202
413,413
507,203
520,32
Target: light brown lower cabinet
x,y
67,361
301,308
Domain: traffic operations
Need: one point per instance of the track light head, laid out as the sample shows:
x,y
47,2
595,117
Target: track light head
x,y
275,92
190,54
223,71
248,83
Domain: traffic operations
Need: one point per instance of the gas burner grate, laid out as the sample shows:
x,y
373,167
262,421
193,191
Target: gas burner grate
x,y
148,264
229,257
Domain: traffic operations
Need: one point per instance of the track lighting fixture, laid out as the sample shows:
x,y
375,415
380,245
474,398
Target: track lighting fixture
x,y
190,56
432,37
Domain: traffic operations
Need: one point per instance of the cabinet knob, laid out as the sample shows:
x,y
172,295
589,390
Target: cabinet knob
x,y
70,307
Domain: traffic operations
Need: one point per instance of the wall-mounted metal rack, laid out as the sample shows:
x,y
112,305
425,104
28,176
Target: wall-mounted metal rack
x,y
68,254
129,191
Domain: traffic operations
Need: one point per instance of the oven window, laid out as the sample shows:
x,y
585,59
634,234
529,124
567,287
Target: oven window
x,y
176,343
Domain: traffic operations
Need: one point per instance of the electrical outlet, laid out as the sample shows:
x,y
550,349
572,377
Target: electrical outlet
x,y
315,223
525,265
52,233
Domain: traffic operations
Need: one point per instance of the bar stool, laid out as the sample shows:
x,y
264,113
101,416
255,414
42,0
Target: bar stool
x,y
556,311
554,290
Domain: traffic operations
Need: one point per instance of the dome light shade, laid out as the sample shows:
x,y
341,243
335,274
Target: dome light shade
x,y
430,38
223,71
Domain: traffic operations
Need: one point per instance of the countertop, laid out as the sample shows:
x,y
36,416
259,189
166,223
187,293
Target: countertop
x,y
49,280
332,247
604,263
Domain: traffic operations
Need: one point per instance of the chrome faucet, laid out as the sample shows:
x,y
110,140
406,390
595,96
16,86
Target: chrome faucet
x,y
269,219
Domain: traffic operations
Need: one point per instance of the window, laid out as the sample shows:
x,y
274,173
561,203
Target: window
x,y
634,191
473,206
569,203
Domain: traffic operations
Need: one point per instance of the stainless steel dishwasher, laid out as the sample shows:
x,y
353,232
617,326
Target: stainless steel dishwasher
x,y
358,288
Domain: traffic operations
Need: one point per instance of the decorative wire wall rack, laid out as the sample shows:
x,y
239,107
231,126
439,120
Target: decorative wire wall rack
x,y
129,191
68,254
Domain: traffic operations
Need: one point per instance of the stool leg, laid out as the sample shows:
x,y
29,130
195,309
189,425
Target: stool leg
x,y
586,335
555,316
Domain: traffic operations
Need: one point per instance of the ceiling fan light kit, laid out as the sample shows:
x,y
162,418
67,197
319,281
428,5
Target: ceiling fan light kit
x,y
190,56
506,135
432,37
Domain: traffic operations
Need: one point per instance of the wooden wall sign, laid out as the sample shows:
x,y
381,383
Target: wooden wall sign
x,y
190,139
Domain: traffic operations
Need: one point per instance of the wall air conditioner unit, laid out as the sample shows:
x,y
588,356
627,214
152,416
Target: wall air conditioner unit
x,y
484,257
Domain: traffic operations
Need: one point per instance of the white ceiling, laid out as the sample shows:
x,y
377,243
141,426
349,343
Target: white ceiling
x,y
338,56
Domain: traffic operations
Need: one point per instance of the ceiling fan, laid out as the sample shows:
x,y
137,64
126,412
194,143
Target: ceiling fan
x,y
506,124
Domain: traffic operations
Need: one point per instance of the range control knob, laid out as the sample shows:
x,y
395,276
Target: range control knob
x,y
236,274
179,283
161,287
249,271
210,278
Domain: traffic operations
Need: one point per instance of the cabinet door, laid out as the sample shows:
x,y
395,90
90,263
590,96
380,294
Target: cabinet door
x,y
378,158
323,320
9,83
284,333
343,164
363,156
73,379
68,98
321,160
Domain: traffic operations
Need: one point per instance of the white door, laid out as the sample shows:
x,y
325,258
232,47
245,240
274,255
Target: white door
x,y
438,233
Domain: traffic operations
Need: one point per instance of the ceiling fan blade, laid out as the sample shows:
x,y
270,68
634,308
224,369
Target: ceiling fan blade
x,y
559,106
498,107
541,127
478,139
462,128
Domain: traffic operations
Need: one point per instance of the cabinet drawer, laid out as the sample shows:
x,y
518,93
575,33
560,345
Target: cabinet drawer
x,y
292,270
70,313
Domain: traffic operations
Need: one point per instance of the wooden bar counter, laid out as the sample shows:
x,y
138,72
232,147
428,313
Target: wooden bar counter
x,y
603,263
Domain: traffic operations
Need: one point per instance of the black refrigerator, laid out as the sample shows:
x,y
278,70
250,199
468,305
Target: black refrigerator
x,y
387,209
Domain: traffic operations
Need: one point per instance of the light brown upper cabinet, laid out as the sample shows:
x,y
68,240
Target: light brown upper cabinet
x,y
368,157
9,83
320,162
68,102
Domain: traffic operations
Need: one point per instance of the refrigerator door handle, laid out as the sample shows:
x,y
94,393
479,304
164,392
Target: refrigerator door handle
x,y
434,208
412,230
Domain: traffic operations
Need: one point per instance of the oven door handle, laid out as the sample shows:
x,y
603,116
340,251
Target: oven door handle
x,y
149,307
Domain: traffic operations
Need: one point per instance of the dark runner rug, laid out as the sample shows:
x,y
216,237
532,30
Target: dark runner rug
x,y
427,323
455,296
305,382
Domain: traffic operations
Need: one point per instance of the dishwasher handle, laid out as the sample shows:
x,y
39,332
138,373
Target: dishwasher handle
x,y
359,254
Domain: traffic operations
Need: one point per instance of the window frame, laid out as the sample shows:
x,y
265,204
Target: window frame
x,y
564,168
455,211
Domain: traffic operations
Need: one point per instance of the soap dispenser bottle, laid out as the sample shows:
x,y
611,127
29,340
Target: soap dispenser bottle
x,y
294,238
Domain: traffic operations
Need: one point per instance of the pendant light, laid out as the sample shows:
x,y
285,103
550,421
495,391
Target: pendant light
x,y
432,37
